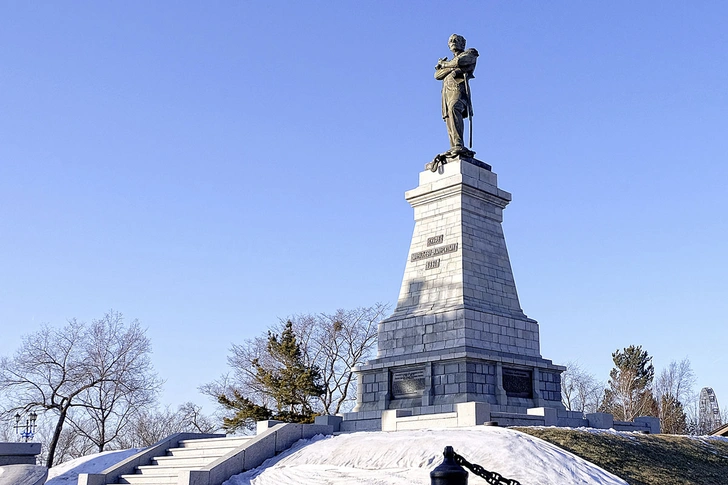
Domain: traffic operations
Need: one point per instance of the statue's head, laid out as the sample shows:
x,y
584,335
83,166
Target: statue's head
x,y
456,42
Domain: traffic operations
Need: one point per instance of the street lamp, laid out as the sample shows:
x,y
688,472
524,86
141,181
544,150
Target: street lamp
x,y
26,431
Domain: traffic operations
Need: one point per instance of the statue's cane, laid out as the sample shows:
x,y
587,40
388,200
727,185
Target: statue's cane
x,y
470,108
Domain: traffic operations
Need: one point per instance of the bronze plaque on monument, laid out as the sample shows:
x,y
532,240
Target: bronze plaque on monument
x,y
517,383
408,383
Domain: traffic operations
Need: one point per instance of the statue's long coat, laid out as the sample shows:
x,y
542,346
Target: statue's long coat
x,y
453,87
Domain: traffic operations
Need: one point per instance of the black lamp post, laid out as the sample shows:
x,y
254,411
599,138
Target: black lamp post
x,y
26,431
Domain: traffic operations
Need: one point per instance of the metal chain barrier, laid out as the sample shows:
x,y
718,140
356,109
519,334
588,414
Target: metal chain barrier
x,y
491,477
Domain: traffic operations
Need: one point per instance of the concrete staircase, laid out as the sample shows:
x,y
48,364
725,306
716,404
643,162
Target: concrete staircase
x,y
191,454
207,459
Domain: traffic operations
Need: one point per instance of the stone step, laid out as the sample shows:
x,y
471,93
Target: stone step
x,y
154,470
516,419
216,448
526,417
186,462
191,455
148,480
211,452
234,441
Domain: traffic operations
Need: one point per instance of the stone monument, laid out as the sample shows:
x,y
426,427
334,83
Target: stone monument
x,y
458,333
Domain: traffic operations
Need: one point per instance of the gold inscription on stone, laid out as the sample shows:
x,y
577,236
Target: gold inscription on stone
x,y
432,264
431,253
431,241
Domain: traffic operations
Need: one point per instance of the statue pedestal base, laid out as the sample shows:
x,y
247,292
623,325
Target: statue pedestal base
x,y
458,333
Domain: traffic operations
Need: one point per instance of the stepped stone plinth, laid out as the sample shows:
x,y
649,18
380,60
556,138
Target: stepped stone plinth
x,y
458,333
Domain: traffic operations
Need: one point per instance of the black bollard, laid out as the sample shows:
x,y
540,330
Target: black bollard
x,y
449,472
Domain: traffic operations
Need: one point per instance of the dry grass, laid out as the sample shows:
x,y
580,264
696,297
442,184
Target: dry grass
x,y
646,459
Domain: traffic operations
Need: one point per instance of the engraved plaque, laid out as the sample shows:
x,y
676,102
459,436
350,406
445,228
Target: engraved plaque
x,y
432,264
517,383
431,241
408,383
429,253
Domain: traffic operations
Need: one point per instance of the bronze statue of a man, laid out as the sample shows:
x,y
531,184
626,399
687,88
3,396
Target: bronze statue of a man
x,y
456,101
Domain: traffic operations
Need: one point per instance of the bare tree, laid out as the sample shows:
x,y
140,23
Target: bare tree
x,y
150,425
147,427
48,372
676,379
71,445
191,419
336,343
56,369
580,391
7,432
333,343
105,409
673,390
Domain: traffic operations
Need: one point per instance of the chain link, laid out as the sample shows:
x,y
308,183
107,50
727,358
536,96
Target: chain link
x,y
492,478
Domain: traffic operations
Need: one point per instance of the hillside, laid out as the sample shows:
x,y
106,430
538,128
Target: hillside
x,y
406,458
645,459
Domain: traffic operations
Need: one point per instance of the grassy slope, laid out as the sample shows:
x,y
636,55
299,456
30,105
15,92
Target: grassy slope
x,y
646,459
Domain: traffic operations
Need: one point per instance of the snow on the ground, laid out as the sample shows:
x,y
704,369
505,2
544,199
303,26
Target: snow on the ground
x,y
407,457
401,458
710,438
22,474
67,473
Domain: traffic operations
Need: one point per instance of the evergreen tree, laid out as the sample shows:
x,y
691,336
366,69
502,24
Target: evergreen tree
x,y
628,394
246,412
284,378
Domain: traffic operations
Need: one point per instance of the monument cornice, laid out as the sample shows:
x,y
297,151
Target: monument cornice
x,y
418,198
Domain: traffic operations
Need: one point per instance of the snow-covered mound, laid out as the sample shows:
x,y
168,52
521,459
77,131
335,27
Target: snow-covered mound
x,y
67,473
22,474
407,457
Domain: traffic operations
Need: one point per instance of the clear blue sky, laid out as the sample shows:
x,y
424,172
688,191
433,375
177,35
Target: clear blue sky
x,y
211,167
